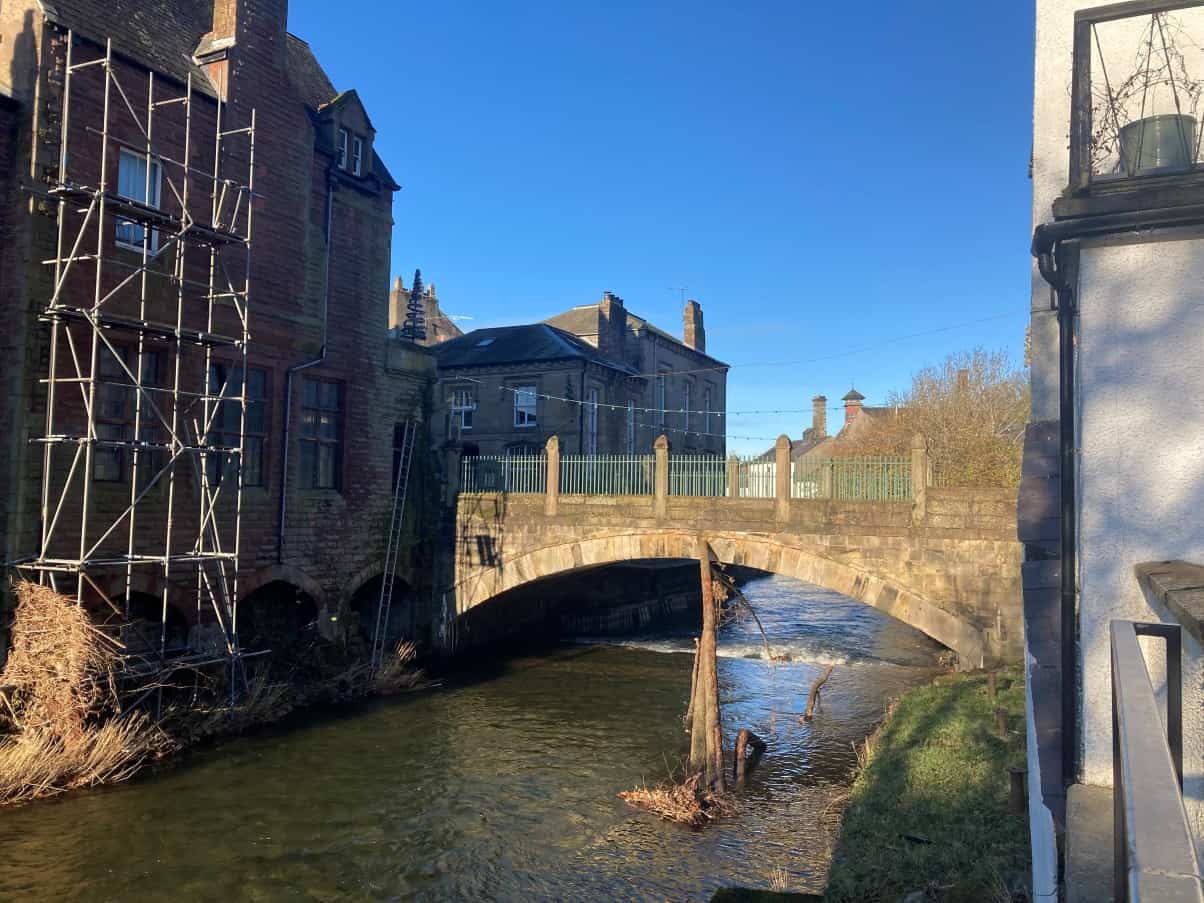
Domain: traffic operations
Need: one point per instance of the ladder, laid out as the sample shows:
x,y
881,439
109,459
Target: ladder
x,y
405,453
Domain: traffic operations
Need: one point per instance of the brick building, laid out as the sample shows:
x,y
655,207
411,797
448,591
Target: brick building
x,y
325,389
602,379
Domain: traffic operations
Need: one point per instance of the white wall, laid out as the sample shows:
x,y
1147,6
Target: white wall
x,y
1141,414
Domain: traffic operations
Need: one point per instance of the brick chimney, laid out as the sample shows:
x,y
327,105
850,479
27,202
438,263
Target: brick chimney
x,y
852,405
819,417
693,333
254,30
612,326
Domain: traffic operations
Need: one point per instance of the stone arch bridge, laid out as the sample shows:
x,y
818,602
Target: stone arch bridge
x,y
946,562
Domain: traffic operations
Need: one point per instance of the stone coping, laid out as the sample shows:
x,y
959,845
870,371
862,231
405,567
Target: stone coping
x,y
1179,585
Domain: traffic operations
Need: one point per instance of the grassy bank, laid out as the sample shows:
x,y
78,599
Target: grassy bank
x,y
929,809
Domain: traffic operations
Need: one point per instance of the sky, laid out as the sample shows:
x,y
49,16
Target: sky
x,y
843,189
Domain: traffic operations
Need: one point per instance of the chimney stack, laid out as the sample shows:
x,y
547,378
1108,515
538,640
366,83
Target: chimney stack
x,y
852,405
612,326
397,303
239,25
693,333
819,417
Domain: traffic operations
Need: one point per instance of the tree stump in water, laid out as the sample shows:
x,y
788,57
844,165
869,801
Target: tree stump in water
x,y
706,733
745,739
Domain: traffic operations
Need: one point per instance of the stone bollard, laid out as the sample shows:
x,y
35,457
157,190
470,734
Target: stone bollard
x,y
661,477
551,499
781,483
733,477
919,479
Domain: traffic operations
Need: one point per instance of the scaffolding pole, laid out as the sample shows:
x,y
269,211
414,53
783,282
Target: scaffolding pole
x,y
116,338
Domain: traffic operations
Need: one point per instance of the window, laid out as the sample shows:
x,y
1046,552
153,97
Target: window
x,y
112,415
706,410
132,183
686,407
462,407
116,411
357,156
659,404
591,426
226,424
321,434
525,407
630,427
341,149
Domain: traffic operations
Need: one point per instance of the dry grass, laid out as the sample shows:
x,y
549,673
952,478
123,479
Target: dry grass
x,y
66,728
36,763
686,802
60,671
779,879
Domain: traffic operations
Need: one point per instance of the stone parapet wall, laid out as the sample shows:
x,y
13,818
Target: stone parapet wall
x,y
954,574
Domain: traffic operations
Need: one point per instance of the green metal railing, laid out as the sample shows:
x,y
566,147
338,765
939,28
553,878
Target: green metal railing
x,y
504,473
758,478
697,475
607,474
882,479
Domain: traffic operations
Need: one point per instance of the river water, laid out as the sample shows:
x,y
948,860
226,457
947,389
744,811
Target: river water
x,y
501,785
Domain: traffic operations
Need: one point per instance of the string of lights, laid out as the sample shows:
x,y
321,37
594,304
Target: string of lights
x,y
643,410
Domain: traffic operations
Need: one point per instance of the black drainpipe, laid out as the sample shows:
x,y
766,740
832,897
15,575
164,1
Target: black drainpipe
x,y
1056,247
304,365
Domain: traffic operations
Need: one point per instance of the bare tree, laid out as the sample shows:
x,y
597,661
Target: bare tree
x,y
971,410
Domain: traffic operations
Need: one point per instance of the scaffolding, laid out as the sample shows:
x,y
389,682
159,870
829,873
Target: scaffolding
x,y
147,379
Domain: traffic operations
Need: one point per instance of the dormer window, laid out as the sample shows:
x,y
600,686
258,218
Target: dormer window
x,y
357,156
342,148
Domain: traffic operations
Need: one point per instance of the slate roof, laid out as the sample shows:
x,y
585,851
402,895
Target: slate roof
x,y
529,344
583,321
310,80
159,33
163,34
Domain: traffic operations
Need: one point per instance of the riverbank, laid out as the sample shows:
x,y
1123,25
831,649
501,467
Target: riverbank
x,y
929,809
927,814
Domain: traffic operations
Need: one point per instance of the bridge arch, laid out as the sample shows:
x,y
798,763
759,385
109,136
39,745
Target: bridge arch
x,y
777,554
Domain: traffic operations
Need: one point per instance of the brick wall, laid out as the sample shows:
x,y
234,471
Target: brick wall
x,y
333,539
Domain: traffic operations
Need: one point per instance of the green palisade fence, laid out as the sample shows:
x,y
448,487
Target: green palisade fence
x,y
758,478
697,475
516,473
882,479
607,474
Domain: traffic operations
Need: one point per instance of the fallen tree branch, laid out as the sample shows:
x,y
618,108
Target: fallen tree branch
x,y
814,697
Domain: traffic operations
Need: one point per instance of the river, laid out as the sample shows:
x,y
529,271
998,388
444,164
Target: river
x,y
500,785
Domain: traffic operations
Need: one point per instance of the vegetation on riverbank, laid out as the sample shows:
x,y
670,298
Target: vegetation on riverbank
x,y
64,723
928,811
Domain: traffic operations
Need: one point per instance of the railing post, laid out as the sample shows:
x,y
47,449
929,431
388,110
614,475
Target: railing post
x,y
781,484
660,477
733,477
919,479
551,499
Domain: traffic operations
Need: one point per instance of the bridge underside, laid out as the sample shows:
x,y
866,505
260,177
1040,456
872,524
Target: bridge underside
x,y
766,552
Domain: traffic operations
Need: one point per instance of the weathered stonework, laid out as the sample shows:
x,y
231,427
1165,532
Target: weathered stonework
x,y
954,575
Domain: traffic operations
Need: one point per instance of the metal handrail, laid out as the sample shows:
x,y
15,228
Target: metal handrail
x,y
1155,854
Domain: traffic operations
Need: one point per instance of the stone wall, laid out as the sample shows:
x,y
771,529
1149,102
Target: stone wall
x,y
954,573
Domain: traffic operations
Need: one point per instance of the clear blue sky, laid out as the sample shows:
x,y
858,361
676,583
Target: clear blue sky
x,y
821,178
